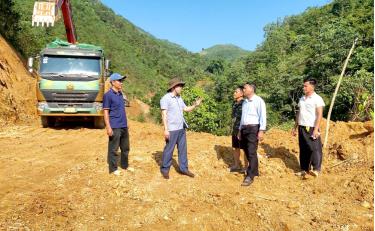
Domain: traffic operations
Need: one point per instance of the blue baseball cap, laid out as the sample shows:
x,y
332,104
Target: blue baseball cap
x,y
116,76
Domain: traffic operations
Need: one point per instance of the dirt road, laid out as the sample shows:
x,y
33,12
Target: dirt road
x,y
57,179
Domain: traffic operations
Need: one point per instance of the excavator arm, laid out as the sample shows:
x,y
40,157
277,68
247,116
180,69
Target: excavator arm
x,y
68,20
46,12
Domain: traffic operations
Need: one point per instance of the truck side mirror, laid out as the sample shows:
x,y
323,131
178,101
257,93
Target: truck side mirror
x,y
106,66
30,62
107,63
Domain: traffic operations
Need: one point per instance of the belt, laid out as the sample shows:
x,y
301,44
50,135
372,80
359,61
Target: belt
x,y
307,128
250,125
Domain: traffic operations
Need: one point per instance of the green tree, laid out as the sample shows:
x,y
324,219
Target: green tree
x,y
9,18
205,117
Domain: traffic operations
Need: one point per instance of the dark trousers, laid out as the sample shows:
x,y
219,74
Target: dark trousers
x,y
120,138
175,137
310,150
249,140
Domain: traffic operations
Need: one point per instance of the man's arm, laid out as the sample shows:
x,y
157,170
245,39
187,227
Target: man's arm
x,y
241,121
106,121
319,116
192,107
262,120
164,118
294,130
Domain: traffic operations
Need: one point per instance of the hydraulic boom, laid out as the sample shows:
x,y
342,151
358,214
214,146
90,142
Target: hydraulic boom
x,y
45,14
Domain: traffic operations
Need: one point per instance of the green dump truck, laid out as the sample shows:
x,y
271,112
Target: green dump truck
x,y
71,82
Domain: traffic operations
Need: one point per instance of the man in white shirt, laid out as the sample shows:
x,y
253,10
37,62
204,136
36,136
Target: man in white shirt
x,y
308,120
252,127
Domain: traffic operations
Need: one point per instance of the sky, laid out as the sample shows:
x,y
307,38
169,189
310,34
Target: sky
x,y
197,24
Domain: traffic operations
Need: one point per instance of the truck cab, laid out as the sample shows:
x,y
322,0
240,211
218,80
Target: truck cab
x,y
70,82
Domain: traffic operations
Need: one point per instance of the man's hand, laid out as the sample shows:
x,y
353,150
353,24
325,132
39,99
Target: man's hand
x,y
166,134
109,131
294,131
315,134
198,102
239,135
260,135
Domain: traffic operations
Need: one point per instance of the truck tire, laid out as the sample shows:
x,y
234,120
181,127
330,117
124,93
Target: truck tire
x,y
47,121
99,122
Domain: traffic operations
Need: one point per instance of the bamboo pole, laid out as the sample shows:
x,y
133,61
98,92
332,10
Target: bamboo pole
x,y
336,90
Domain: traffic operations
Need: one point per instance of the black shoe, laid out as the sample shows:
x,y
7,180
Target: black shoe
x,y
165,175
188,173
235,169
247,181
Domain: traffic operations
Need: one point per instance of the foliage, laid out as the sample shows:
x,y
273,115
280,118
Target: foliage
x,y
226,52
312,44
149,62
355,99
205,117
8,20
315,44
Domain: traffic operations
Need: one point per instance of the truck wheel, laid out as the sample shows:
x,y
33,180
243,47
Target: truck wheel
x,y
47,121
99,122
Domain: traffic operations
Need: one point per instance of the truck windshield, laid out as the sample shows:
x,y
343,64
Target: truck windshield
x,y
68,66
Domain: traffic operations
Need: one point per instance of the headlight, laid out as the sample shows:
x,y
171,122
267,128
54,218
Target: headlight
x,y
98,106
42,106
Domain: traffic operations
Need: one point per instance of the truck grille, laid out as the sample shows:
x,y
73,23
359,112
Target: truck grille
x,y
70,96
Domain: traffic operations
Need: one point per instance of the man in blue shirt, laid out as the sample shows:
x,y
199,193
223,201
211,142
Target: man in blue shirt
x,y
116,124
252,127
172,108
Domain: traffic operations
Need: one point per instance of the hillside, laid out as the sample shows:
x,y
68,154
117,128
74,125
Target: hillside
x,y
17,88
227,52
315,44
311,44
148,61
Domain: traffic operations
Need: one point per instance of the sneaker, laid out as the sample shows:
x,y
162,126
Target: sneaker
x,y
301,173
314,173
247,181
117,172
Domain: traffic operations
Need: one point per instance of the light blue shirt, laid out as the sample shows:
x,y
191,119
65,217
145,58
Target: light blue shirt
x,y
175,111
254,112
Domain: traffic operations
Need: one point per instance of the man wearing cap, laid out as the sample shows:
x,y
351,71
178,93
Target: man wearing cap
x,y
308,120
172,108
252,126
116,124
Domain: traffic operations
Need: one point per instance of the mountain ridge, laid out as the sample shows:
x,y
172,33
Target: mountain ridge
x,y
227,52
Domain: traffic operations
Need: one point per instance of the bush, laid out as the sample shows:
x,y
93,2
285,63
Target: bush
x,y
204,118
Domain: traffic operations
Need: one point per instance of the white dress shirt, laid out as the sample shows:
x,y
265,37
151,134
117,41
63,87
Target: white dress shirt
x,y
254,112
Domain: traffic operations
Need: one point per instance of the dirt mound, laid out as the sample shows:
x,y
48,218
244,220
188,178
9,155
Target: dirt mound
x,y
135,108
138,110
17,88
351,140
